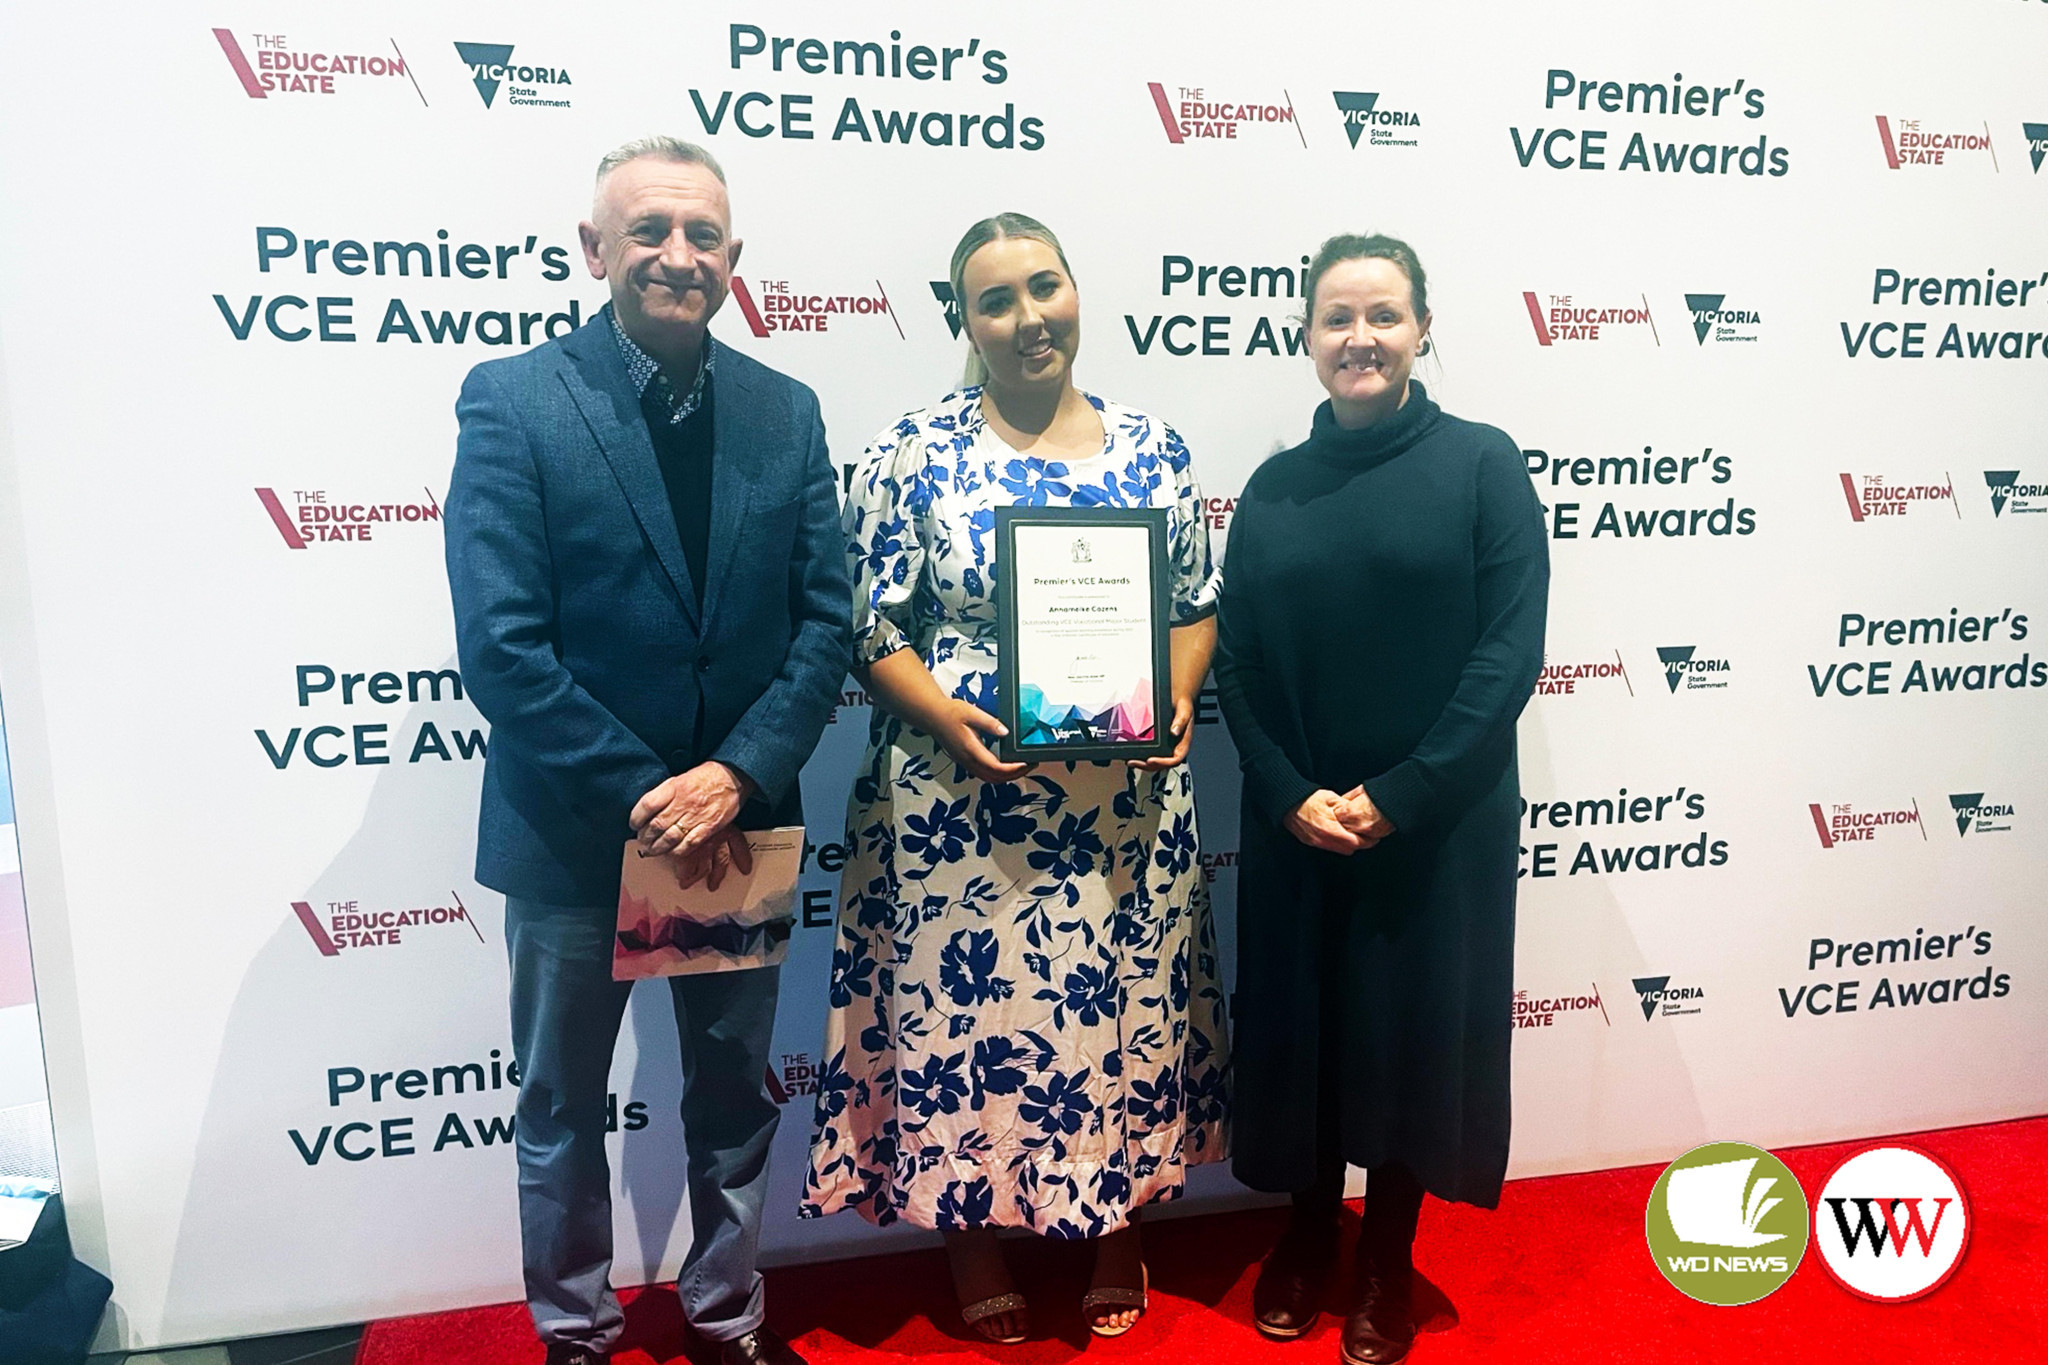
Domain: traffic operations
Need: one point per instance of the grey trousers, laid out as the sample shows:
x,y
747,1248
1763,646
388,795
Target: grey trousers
x,y
565,1020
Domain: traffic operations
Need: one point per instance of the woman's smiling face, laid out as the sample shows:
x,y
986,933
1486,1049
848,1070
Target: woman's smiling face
x,y
1364,335
1022,313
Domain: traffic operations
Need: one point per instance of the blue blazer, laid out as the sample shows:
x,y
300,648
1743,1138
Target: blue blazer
x,y
576,623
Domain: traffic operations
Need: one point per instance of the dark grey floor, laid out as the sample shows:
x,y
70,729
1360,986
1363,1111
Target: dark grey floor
x,y
330,1346
333,1346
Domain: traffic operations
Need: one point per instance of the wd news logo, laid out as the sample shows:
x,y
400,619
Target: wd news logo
x,y
490,66
1381,127
1727,1223
1975,815
1892,1224
1711,319
1681,669
2007,492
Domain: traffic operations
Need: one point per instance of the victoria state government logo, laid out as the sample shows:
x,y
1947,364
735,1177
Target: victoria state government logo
x,y
1655,993
1380,127
1892,1224
1681,669
1727,1223
1974,813
942,291
490,66
2008,494
1712,321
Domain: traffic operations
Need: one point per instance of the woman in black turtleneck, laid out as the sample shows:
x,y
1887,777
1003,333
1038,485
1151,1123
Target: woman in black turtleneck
x,y
1381,629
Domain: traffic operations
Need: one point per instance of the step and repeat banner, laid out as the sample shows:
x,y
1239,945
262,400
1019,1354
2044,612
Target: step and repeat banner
x,y
1762,292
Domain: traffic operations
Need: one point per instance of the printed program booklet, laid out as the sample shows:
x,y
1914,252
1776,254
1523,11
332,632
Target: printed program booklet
x,y
668,929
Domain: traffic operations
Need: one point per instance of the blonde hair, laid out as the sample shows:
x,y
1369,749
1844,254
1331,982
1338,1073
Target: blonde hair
x,y
996,229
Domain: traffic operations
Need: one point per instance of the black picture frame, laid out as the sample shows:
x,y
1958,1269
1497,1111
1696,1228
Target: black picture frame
x,y
1010,747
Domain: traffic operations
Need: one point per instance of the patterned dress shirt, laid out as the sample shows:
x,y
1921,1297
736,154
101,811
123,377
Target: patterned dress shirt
x,y
642,370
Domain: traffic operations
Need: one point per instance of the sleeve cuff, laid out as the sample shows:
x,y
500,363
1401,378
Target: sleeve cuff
x,y
771,777
1271,781
881,640
1402,793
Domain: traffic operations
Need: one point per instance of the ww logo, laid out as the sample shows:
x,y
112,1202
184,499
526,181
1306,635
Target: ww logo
x,y
1896,1225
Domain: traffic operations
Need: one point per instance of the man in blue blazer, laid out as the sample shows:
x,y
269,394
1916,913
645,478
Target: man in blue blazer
x,y
651,609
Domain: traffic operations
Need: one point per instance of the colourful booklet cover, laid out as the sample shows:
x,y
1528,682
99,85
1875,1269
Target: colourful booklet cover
x,y
668,929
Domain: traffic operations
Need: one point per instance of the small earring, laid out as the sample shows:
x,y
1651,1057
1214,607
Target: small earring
x,y
1427,344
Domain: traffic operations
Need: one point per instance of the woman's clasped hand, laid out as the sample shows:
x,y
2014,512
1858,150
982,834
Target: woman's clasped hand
x,y
1339,824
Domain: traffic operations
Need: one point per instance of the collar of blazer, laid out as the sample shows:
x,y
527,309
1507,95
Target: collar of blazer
x,y
603,393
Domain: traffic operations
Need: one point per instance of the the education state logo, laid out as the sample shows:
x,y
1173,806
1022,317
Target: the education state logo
x,y
1975,815
1912,142
317,517
1377,124
1841,823
1543,1011
2037,142
272,64
1727,1223
1887,495
2008,494
1892,1224
348,925
1685,668
1579,677
1658,996
797,1078
1566,317
1713,320
1191,113
772,306
942,291
491,68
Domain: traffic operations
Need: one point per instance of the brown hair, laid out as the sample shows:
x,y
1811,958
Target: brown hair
x,y
1352,246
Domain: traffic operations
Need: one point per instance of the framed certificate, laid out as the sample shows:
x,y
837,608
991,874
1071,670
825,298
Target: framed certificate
x,y
1082,620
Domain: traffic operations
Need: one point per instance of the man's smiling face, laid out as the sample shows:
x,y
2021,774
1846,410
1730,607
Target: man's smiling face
x,y
662,238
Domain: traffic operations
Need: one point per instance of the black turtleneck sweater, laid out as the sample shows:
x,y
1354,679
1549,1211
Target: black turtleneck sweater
x,y
1382,615
1381,623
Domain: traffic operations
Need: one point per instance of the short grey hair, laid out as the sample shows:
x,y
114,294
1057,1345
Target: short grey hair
x,y
666,148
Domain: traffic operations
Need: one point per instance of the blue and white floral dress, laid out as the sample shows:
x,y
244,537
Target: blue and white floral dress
x,y
1026,1028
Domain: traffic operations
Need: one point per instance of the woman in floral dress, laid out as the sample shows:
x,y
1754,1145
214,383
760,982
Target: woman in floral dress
x,y
1026,1026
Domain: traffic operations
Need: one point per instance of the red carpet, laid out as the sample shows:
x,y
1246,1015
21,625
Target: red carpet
x,y
1558,1272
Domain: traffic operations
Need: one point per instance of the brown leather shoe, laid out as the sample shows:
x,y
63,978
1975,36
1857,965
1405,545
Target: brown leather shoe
x,y
1288,1297
1379,1328
758,1347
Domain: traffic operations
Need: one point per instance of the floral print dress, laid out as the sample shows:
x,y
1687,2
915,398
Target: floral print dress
x,y
1026,1028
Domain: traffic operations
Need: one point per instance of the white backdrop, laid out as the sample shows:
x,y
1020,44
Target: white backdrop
x,y
206,352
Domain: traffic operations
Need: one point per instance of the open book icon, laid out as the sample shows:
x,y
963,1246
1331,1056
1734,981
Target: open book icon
x,y
1706,1204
